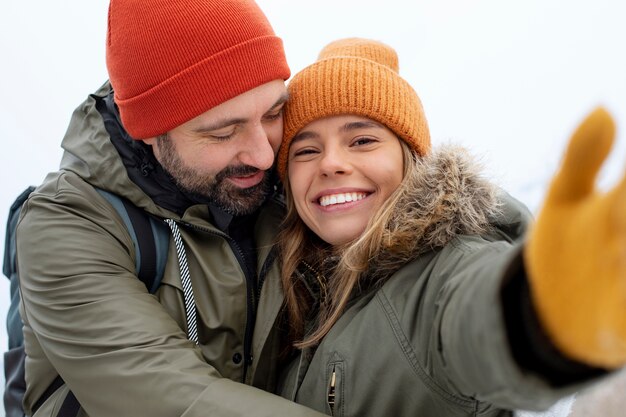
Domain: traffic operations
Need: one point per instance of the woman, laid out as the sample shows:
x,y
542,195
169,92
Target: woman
x,y
409,287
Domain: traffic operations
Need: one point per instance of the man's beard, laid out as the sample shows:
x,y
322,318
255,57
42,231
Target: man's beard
x,y
217,189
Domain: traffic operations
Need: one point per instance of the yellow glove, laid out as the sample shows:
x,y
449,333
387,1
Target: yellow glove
x,y
576,253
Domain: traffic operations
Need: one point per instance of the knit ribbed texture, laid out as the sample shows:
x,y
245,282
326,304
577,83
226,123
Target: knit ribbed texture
x,y
355,76
170,61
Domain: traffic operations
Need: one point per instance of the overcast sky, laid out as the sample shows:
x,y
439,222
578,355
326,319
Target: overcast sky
x,y
509,80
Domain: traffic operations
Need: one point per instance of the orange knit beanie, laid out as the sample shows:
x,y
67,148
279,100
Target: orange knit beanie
x,y
170,61
355,76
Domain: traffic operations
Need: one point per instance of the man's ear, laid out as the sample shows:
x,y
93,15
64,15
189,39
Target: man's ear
x,y
149,141
154,144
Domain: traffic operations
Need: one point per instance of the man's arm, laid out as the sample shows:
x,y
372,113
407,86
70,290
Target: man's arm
x,y
114,345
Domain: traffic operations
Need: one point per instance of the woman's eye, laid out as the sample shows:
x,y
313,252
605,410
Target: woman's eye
x,y
306,151
363,141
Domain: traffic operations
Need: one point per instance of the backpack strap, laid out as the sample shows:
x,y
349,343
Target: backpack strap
x,y
56,384
9,268
150,237
146,252
70,405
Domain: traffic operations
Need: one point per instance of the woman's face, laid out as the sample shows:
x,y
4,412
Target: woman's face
x,y
341,170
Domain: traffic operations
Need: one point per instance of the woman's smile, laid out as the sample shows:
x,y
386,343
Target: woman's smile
x,y
340,198
341,171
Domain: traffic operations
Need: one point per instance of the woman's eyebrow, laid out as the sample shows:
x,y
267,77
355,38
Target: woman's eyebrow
x,y
307,134
361,125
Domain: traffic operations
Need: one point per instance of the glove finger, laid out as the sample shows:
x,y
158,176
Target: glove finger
x,y
618,204
588,148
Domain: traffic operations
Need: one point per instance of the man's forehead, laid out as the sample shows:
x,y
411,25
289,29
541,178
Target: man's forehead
x,y
239,110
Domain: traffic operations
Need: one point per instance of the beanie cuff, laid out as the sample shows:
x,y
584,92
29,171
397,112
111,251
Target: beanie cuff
x,y
199,88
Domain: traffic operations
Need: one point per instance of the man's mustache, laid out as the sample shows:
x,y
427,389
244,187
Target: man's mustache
x,y
237,171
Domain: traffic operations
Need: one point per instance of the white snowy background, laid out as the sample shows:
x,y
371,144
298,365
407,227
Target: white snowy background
x,y
508,79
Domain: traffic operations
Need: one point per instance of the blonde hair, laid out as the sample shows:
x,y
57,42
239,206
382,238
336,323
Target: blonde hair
x,y
299,246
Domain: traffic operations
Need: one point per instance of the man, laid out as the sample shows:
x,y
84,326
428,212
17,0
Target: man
x,y
187,130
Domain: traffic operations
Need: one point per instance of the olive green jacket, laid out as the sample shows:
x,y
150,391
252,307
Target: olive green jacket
x,y
121,350
432,341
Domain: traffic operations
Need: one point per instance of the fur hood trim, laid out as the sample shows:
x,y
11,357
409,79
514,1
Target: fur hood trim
x,y
446,196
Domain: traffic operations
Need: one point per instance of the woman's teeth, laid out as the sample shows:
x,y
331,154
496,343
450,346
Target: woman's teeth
x,y
329,200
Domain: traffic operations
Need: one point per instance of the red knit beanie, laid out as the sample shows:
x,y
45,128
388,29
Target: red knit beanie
x,y
170,61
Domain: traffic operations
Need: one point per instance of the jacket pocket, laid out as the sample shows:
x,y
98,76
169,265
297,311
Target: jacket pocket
x,y
335,396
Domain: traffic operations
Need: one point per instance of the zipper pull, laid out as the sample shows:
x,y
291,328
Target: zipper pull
x,y
331,391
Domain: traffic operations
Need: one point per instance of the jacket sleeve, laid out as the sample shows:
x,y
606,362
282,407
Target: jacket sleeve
x,y
113,344
471,341
530,345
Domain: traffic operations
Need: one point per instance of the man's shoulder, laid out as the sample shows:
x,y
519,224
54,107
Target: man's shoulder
x,y
63,196
63,185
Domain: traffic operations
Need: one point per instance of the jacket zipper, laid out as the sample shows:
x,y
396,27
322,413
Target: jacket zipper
x,y
271,256
320,280
250,296
248,341
331,391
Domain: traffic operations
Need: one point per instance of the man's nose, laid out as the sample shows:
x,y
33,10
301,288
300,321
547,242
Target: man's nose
x,y
258,151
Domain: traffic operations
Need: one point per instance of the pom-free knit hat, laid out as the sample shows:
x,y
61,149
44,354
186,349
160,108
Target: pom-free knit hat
x,y
170,61
355,76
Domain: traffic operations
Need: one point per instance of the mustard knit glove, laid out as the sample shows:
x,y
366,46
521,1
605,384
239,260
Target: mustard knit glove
x,y
576,253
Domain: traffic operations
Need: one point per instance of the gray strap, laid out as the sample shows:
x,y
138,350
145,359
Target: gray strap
x,y
190,305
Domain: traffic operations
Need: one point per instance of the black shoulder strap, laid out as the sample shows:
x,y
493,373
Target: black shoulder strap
x,y
150,236
70,405
8,266
145,240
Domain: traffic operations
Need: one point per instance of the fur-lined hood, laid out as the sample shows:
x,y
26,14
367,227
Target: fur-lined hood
x,y
447,196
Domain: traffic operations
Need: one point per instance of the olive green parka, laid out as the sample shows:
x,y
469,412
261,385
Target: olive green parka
x,y
121,350
431,339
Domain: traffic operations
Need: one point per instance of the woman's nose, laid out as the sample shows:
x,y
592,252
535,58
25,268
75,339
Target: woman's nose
x,y
334,162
